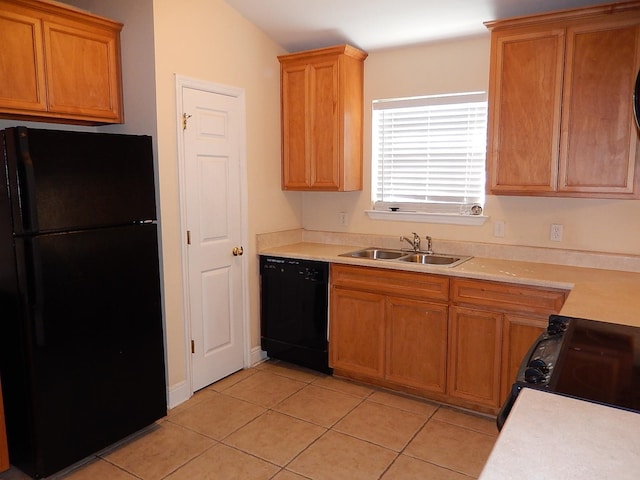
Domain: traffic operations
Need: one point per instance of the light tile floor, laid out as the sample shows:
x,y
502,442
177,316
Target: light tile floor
x,y
281,422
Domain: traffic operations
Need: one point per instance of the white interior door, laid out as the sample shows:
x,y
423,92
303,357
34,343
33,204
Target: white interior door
x,y
212,129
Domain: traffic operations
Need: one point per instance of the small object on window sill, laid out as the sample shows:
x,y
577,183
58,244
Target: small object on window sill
x,y
413,216
470,209
394,209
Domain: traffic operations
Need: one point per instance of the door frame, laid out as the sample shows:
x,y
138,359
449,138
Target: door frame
x,y
185,390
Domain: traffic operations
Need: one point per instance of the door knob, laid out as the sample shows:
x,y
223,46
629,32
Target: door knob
x,y
238,251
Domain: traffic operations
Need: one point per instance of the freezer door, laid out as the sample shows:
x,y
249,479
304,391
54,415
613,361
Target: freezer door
x,y
93,317
63,180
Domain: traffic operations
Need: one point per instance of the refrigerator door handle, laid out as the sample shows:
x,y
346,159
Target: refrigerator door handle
x,y
28,209
35,293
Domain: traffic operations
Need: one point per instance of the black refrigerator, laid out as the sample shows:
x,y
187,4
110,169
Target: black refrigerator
x,y
81,336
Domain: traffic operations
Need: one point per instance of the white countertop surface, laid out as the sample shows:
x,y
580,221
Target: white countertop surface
x,y
549,436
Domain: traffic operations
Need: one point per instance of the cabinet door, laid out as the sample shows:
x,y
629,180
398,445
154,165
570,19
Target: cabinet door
x,y
83,71
356,332
519,334
21,54
322,97
323,118
310,126
600,139
296,168
416,344
524,114
474,356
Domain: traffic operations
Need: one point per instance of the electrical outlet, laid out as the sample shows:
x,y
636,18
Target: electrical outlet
x,y
555,233
344,219
498,228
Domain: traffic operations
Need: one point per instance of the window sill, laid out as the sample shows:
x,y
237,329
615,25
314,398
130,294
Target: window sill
x,y
422,217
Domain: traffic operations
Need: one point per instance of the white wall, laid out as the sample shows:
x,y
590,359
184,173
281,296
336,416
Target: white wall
x,y
463,65
207,40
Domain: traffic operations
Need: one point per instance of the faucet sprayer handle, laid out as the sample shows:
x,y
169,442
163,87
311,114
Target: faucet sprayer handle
x,y
429,245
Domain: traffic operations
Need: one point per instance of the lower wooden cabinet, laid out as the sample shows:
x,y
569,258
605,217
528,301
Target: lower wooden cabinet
x,y
378,336
485,352
416,344
475,347
357,332
518,334
454,340
492,325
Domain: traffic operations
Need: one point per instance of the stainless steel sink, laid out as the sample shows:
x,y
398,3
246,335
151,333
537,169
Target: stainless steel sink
x,y
434,259
376,254
373,253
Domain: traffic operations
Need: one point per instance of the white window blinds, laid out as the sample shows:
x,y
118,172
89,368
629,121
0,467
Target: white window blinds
x,y
429,152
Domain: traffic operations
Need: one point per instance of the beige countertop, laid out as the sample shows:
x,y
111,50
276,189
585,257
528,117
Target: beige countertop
x,y
549,436
596,294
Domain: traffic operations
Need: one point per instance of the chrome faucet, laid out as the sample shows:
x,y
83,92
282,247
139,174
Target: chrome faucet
x,y
429,249
415,242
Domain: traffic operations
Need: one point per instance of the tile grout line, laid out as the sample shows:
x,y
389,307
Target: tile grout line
x,y
362,400
409,442
305,384
272,409
327,430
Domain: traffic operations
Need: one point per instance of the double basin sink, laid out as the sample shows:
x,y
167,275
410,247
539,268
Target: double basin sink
x,y
422,258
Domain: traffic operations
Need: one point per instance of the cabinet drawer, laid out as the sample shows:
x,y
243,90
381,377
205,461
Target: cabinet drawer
x,y
391,282
508,297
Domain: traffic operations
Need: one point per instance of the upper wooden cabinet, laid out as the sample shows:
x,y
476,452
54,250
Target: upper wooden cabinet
x,y
58,64
322,107
560,103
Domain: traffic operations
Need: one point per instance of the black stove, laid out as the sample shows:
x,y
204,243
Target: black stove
x,y
585,359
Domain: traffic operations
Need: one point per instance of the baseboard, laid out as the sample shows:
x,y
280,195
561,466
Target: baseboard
x,y
257,356
179,394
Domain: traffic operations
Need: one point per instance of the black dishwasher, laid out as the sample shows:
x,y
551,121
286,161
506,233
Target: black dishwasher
x,y
293,311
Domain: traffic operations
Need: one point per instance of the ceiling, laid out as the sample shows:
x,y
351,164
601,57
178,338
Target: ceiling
x,y
382,24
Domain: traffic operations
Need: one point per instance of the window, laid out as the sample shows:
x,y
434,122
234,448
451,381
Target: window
x,y
429,153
